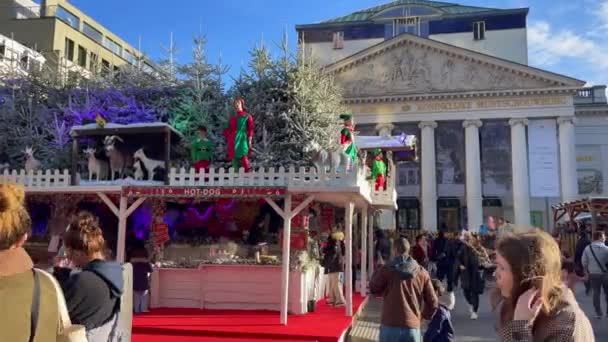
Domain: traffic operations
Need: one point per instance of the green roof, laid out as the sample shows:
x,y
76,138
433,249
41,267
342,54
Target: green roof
x,y
446,7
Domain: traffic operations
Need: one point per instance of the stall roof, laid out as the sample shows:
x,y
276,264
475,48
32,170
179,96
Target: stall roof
x,y
403,142
114,129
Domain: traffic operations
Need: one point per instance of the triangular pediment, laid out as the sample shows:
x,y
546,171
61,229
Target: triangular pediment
x,y
409,64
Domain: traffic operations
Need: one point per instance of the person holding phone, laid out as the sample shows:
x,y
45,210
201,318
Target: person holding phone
x,y
532,302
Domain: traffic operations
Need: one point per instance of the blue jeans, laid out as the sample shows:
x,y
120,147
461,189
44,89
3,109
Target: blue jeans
x,y
140,301
397,334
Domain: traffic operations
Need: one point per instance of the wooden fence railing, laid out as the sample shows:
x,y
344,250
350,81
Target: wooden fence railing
x,y
41,179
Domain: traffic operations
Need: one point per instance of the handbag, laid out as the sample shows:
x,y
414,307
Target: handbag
x,y
68,332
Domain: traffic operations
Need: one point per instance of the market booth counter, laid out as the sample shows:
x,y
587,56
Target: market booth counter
x,y
234,287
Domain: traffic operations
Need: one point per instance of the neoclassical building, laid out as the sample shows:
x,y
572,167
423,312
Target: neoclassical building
x,y
497,137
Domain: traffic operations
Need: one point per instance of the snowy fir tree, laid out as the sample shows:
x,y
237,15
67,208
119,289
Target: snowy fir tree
x,y
292,101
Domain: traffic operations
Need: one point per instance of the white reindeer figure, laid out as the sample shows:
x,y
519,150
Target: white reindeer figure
x,y
139,172
149,164
96,166
336,158
31,163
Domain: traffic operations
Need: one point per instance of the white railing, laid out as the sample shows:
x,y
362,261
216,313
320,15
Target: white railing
x,y
301,177
41,179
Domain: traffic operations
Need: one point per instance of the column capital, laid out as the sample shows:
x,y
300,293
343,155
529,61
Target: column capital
x,y
566,120
518,121
427,124
468,123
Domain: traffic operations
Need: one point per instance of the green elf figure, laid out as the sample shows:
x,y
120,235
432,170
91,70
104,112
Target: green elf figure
x,y
347,137
379,170
202,150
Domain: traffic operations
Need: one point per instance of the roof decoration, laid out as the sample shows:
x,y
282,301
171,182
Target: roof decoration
x,y
450,9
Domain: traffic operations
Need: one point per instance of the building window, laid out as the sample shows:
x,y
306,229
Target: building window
x,y
129,57
69,49
93,62
112,46
105,67
68,17
339,40
2,51
479,30
82,56
406,25
92,33
23,61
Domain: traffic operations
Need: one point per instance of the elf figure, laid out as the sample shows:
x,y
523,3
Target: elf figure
x,y
379,169
347,137
202,150
239,135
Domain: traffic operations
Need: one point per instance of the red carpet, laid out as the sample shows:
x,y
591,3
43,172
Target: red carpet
x,y
180,325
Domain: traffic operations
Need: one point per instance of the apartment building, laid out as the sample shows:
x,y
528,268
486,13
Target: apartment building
x,y
68,38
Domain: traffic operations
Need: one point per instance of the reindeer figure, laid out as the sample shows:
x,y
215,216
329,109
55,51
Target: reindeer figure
x,y
31,163
139,169
149,164
120,158
336,158
97,167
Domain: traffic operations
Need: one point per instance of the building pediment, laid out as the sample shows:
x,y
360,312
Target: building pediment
x,y
408,64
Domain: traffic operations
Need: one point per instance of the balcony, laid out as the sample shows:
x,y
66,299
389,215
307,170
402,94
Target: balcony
x,y
302,180
595,95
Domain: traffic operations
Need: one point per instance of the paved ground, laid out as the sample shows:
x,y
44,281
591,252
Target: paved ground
x,y
481,330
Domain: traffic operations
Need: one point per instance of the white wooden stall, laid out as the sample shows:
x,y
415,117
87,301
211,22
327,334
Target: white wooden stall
x,y
232,287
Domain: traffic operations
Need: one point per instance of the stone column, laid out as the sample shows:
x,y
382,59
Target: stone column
x,y
567,158
519,167
428,184
473,174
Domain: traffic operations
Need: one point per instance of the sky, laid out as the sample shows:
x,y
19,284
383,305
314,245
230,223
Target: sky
x,y
564,36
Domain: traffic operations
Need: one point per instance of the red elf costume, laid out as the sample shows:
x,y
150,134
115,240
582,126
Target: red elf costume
x,y
239,136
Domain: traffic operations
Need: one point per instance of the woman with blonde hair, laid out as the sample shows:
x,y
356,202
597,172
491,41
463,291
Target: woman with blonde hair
x,y
532,302
24,293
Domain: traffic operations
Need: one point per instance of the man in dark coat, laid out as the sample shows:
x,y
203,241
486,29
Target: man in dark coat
x,y
581,244
333,262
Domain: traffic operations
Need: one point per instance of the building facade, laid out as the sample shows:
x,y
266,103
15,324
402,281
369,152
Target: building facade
x,y
496,136
16,58
70,40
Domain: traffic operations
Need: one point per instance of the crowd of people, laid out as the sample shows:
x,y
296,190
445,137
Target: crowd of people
x,y
533,294
80,300
534,282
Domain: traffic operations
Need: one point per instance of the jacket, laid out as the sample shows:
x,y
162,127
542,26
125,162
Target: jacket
x,y
581,244
333,257
16,289
470,277
93,295
566,323
589,263
408,293
440,328
420,255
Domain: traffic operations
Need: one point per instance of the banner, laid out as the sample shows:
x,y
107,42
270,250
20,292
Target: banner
x,y
543,158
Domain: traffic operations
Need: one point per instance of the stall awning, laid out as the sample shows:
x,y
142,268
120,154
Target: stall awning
x,y
395,143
